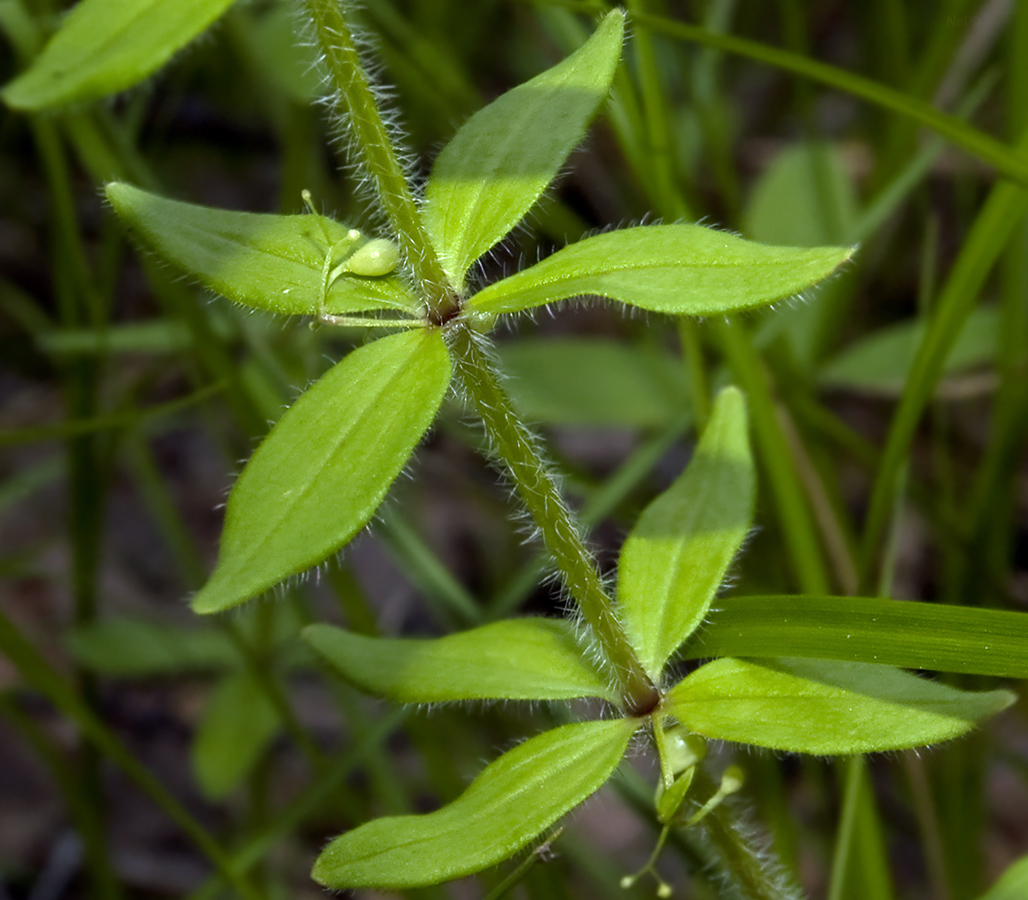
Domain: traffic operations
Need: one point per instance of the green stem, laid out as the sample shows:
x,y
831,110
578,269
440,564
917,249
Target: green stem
x,y
515,445
799,530
78,797
756,873
373,143
659,135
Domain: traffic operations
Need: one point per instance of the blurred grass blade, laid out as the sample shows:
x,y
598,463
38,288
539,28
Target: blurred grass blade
x,y
133,419
265,261
131,648
519,659
676,556
906,634
992,229
499,163
677,269
574,381
105,46
323,470
512,801
238,724
156,336
815,706
1007,160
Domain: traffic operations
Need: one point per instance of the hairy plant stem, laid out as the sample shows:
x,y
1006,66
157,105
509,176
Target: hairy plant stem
x,y
515,445
374,145
753,873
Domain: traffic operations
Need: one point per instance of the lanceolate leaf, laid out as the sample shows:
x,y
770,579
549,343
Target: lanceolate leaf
x,y
814,706
105,46
237,726
512,801
1012,884
676,556
502,159
131,648
265,261
591,381
881,362
519,659
910,635
321,473
678,269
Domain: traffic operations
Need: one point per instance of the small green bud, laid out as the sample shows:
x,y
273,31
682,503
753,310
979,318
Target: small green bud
x,y
375,258
684,750
732,780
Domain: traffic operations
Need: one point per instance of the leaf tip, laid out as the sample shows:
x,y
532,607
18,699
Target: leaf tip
x,y
215,597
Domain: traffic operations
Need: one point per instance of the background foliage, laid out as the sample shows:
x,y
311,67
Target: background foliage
x,y
128,400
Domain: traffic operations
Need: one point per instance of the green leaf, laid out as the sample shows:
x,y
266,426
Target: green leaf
x,y
506,154
803,199
323,470
130,648
512,801
238,724
1012,884
906,634
678,269
676,557
594,382
271,42
265,261
104,46
815,706
881,362
518,659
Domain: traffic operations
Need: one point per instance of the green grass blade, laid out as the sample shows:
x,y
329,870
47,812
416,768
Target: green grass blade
x,y
1005,208
41,676
1009,161
906,634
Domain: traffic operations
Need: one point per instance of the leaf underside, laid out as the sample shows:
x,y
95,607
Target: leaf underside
x,y
268,262
323,470
676,269
676,556
105,46
816,706
508,804
518,659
